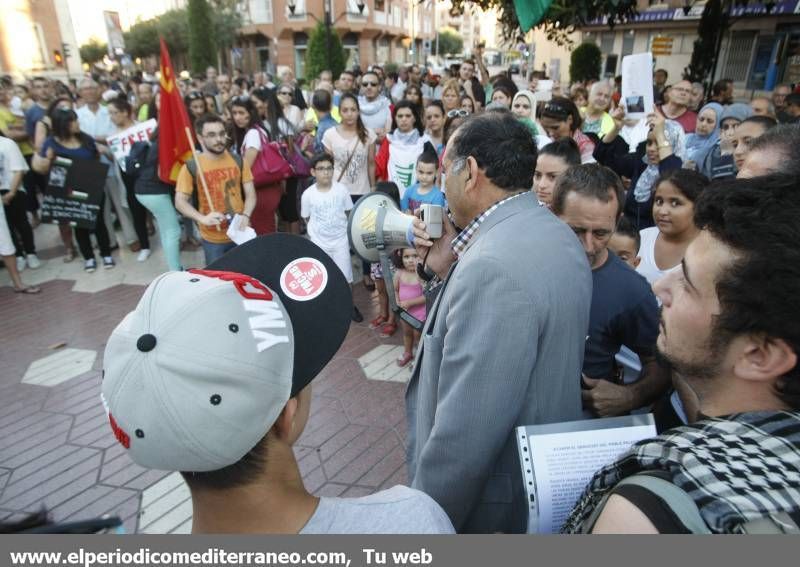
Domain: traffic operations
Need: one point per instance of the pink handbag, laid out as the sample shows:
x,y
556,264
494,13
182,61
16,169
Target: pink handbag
x,y
271,165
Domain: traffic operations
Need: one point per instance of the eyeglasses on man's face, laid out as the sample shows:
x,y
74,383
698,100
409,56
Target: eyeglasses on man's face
x,y
215,135
369,84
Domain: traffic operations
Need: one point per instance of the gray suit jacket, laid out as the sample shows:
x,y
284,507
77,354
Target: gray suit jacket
x,y
502,347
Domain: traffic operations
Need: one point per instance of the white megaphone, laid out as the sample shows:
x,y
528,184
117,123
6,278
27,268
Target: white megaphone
x,y
377,228
376,225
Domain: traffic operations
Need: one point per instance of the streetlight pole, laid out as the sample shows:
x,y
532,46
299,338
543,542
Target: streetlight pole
x,y
328,23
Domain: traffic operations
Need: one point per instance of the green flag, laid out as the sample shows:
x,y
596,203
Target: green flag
x,y
530,12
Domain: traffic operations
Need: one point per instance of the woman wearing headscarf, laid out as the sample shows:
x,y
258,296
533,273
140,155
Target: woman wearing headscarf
x,y
663,151
718,162
705,136
523,107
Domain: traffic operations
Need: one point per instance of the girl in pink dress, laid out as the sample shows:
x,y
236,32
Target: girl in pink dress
x,y
409,296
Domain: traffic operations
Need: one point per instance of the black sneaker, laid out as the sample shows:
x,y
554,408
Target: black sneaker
x,y
357,316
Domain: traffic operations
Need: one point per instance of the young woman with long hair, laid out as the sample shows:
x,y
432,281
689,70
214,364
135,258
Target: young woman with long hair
x,y
279,128
249,132
352,146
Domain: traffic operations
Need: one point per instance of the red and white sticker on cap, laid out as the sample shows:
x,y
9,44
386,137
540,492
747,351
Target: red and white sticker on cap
x,y
304,279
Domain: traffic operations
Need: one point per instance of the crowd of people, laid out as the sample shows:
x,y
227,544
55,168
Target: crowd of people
x,y
574,234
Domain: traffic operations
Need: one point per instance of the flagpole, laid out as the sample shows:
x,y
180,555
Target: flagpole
x,y
200,172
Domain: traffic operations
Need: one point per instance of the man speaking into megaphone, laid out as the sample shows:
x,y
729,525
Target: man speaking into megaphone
x,y
505,335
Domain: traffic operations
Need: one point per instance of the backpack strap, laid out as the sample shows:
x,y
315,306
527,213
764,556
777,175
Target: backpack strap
x,y
674,497
685,509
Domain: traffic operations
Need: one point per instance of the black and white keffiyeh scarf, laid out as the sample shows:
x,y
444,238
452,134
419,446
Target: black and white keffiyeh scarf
x,y
736,469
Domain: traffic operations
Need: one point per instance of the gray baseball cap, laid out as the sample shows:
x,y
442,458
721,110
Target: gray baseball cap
x,y
198,373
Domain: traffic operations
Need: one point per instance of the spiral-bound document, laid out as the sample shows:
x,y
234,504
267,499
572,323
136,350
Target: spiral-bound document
x,y
559,459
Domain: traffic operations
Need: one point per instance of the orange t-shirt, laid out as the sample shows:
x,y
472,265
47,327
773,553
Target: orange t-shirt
x,y
224,182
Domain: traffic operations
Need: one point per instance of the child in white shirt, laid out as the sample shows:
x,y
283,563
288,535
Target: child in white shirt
x,y
325,206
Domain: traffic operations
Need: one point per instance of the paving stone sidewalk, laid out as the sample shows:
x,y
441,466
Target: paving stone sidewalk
x,y
56,447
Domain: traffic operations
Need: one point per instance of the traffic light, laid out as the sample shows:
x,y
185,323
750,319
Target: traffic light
x,y
58,58
65,50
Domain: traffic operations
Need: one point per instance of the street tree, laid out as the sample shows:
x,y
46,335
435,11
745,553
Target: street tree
x,y
324,52
93,51
584,63
450,42
202,44
227,20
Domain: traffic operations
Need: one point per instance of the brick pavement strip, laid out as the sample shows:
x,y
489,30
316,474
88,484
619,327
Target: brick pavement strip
x,y
57,450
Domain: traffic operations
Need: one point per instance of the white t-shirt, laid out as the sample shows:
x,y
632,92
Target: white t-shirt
x,y
11,161
647,252
356,177
327,211
398,510
252,139
96,124
295,116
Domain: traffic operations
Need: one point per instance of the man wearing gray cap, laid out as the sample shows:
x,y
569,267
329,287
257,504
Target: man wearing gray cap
x,y
210,375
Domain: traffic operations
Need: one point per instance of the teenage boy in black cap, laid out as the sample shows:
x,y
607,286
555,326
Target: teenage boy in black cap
x,y
210,376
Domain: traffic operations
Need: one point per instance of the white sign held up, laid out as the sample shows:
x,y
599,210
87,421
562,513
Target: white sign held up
x,y
122,142
637,85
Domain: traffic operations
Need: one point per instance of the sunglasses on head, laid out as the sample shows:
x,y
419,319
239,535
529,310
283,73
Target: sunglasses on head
x,y
556,109
195,95
457,112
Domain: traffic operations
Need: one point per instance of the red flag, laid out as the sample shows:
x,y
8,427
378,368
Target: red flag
x,y
173,147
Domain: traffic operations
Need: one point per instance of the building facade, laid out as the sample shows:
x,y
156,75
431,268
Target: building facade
x,y
761,48
37,38
276,32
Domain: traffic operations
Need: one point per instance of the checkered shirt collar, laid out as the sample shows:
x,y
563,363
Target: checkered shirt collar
x,y
461,241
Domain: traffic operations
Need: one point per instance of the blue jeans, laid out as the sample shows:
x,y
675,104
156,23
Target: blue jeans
x,y
214,250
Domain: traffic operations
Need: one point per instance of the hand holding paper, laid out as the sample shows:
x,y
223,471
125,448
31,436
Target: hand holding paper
x,y
656,120
239,230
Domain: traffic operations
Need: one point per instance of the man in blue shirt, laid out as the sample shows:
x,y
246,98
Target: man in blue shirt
x,y
321,103
42,94
624,309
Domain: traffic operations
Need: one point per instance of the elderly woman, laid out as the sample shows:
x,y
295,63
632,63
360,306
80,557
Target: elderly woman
x,y
596,119
705,136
